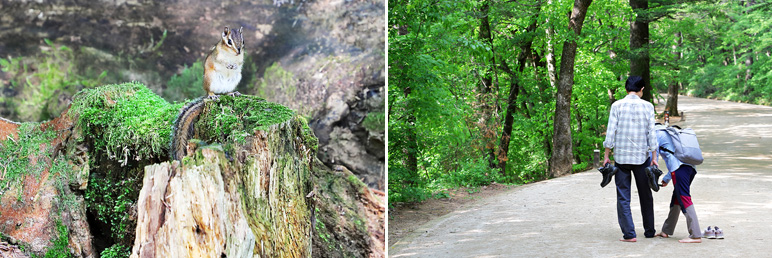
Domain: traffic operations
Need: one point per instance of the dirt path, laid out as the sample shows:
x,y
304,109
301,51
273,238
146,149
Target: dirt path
x,y
573,216
406,218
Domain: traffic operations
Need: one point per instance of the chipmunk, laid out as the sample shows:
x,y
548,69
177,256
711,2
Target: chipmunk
x,y
222,68
222,72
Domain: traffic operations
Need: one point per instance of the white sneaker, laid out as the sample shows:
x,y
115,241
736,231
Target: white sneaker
x,y
710,233
719,232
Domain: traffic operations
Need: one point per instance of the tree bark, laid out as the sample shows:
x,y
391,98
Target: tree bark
x,y
514,89
411,141
560,161
639,46
550,32
672,89
487,86
506,132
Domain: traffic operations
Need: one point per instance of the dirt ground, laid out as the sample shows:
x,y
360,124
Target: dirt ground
x,y
574,216
405,218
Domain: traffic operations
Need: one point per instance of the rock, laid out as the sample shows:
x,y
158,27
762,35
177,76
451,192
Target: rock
x,y
11,251
347,149
348,138
8,128
352,226
36,198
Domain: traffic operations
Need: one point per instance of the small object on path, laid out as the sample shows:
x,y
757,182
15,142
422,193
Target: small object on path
x,y
709,233
719,232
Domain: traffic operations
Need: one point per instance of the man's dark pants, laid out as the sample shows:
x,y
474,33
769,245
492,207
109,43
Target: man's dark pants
x,y
622,180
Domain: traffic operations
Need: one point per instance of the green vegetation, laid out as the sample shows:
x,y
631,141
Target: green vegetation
x,y
724,48
276,80
323,233
116,251
187,85
308,134
221,122
463,74
128,126
59,248
111,199
126,121
41,79
15,156
375,121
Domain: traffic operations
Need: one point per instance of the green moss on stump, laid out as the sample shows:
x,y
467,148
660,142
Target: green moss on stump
x,y
60,245
127,121
231,119
308,134
127,126
16,155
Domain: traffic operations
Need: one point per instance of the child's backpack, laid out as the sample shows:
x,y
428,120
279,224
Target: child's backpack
x,y
687,149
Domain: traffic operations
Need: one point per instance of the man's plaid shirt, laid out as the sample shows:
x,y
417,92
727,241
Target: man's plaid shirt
x,y
630,130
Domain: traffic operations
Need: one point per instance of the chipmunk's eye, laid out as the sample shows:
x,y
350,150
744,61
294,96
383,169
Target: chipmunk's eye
x,y
229,42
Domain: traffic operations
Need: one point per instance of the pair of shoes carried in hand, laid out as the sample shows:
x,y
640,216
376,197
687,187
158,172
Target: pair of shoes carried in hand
x,y
653,173
607,171
713,233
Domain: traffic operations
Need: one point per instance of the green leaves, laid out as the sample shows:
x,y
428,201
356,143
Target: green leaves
x,y
724,50
437,61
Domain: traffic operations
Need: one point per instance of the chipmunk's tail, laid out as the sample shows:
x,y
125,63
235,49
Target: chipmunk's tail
x,y
183,128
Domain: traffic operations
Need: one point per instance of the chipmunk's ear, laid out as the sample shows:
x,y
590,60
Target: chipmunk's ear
x,y
226,32
241,29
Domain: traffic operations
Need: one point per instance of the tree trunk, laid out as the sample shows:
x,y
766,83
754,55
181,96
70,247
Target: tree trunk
x,y
411,141
550,32
672,89
514,89
561,161
639,46
488,126
506,132
611,98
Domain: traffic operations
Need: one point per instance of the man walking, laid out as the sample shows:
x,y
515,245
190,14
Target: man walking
x,y
630,133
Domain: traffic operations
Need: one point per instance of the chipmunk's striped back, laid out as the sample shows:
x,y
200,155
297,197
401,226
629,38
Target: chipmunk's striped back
x,y
183,128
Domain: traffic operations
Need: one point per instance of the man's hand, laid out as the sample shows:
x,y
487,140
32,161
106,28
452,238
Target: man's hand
x,y
606,161
663,184
654,162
